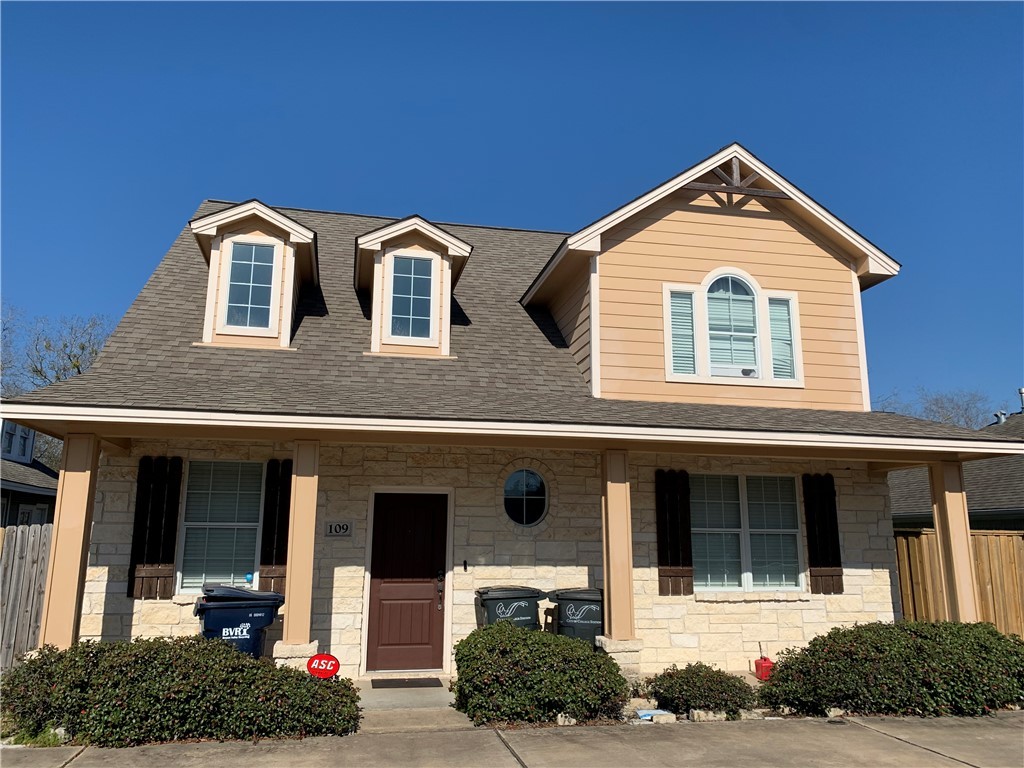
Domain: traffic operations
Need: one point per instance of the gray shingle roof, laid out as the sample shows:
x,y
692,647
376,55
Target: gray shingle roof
x,y
995,487
36,474
511,364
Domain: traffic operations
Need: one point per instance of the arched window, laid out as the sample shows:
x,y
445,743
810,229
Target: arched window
x,y
732,328
729,330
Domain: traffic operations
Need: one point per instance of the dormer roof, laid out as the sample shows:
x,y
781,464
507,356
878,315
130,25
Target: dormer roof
x,y
205,228
743,173
374,241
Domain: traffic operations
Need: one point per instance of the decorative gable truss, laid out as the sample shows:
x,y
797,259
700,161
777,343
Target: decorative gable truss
x,y
258,260
410,268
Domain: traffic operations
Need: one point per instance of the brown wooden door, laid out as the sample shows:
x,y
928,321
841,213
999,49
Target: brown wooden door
x,y
407,571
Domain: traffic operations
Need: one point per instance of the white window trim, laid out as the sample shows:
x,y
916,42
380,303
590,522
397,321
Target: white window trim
x,y
435,284
701,342
179,544
226,248
747,577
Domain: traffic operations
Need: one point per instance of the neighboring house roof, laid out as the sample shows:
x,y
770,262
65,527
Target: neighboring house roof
x,y
995,487
510,363
29,478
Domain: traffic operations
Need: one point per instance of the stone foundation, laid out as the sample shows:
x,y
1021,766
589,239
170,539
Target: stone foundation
x,y
626,654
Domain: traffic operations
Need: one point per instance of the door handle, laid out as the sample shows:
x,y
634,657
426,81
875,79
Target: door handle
x,y
440,590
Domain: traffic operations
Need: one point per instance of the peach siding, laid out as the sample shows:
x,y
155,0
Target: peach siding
x,y
571,311
413,242
683,239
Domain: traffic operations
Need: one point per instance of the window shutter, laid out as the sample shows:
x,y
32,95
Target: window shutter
x,y
274,539
824,558
681,313
675,552
780,320
158,493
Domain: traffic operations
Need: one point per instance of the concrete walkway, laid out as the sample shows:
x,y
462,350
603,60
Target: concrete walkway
x,y
991,742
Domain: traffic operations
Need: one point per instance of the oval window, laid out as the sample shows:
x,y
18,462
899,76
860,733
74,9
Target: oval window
x,y
526,497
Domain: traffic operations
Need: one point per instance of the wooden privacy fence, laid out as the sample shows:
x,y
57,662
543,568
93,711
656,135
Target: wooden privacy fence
x,y
24,551
998,572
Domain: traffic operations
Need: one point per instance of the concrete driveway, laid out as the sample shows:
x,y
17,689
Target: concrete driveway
x,y
991,742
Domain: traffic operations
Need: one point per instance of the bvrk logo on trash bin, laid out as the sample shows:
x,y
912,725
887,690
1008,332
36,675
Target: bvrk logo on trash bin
x,y
241,632
507,610
578,613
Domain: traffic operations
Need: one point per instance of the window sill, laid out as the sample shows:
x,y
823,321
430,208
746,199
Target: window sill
x,y
738,596
679,378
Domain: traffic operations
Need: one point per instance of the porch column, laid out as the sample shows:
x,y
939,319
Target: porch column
x,y
69,551
298,589
949,507
617,529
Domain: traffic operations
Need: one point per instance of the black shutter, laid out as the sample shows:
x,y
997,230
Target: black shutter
x,y
274,538
675,550
157,495
824,558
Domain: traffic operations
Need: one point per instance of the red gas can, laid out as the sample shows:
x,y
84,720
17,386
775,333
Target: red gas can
x,y
763,668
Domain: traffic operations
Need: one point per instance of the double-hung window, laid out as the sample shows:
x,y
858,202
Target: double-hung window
x,y
221,523
728,330
745,532
411,314
250,290
251,281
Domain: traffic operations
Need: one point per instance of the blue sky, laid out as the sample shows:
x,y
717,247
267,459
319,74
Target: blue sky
x,y
903,119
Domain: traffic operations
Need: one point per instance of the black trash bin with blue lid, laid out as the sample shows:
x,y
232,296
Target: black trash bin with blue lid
x,y
580,613
236,615
511,603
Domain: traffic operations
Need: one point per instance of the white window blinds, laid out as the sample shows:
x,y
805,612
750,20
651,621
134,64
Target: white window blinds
x,y
681,310
780,320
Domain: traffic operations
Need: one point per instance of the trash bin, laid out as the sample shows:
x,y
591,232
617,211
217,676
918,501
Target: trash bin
x,y
580,613
511,603
239,616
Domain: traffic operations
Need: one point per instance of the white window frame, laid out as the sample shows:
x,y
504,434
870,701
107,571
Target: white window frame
x,y
701,334
179,548
435,310
747,575
226,250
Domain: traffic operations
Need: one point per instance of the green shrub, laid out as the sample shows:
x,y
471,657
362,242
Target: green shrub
x,y
698,686
123,694
509,674
908,668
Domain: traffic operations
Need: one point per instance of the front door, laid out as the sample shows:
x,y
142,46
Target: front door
x,y
407,572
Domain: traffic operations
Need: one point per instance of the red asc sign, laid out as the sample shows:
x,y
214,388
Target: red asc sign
x,y
323,665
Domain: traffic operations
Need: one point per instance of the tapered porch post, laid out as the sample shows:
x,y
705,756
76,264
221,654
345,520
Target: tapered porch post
x,y
949,506
298,590
617,529
72,529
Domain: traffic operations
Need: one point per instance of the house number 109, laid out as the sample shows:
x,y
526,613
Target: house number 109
x,y
343,528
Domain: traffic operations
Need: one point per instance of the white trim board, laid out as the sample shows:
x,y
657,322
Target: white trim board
x,y
341,424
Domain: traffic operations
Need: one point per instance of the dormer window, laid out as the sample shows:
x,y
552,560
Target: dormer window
x,y
18,442
410,302
730,331
410,268
258,260
252,279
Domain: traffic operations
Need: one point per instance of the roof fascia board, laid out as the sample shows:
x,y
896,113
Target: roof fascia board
x,y
208,225
11,485
92,414
373,241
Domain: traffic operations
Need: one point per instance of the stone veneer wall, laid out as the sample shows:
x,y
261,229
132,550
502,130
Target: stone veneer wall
x,y
564,550
725,628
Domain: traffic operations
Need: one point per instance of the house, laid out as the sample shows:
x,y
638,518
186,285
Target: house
x,y
28,488
995,487
380,416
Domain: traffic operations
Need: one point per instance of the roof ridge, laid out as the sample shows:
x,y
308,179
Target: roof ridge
x,y
399,218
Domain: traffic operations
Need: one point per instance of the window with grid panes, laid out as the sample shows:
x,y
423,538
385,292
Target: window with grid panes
x,y
223,502
745,532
